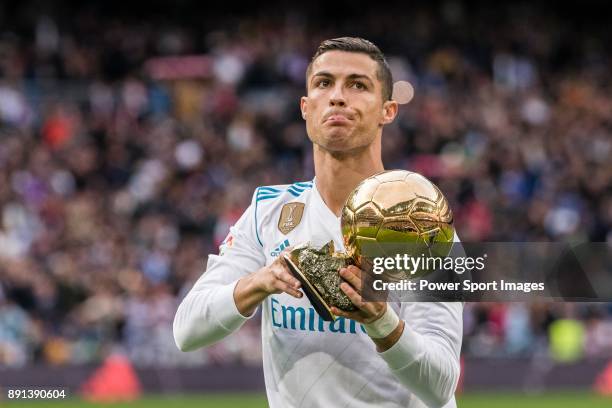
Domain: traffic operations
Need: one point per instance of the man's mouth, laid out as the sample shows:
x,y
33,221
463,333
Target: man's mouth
x,y
337,119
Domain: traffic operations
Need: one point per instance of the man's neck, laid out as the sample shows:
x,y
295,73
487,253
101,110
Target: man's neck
x,y
338,174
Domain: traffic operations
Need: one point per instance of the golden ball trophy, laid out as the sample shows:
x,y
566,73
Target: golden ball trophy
x,y
395,212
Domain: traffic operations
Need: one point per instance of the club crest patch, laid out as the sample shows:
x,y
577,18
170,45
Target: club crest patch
x,y
290,217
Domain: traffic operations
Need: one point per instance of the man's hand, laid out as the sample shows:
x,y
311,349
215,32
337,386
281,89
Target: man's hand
x,y
367,312
251,290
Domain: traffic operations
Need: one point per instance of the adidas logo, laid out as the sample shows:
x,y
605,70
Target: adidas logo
x,y
276,252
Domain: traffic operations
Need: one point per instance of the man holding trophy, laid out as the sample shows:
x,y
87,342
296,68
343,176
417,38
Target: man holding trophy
x,y
332,348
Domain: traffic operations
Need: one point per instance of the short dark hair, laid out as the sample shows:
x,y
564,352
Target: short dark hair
x,y
363,46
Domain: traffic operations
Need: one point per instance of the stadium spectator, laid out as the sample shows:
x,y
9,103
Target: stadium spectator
x,y
113,183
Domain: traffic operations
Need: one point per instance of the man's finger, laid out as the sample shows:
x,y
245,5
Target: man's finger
x,y
351,276
285,287
283,274
341,313
355,271
352,294
286,276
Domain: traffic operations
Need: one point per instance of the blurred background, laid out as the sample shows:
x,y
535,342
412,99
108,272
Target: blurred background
x,y
133,135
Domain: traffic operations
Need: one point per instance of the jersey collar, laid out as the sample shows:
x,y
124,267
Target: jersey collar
x,y
328,225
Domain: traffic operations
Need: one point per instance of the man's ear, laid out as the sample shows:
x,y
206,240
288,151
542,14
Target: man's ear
x,y
303,103
390,109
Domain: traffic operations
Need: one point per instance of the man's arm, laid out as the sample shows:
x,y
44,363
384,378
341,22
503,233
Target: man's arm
x,y
387,342
212,310
233,286
421,345
208,313
251,290
425,358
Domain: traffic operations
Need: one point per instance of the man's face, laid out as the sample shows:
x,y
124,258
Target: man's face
x,y
344,110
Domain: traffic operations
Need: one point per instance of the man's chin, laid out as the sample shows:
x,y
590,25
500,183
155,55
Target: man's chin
x,y
338,141
342,147
338,136
338,144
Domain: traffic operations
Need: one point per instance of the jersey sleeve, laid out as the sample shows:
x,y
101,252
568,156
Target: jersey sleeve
x,y
425,359
208,312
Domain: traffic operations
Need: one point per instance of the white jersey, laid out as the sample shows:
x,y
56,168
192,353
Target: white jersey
x,y
307,361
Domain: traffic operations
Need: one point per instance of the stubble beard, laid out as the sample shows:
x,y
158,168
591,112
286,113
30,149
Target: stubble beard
x,y
344,153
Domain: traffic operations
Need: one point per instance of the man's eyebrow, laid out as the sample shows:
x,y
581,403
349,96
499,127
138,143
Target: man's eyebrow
x,y
323,74
327,74
360,76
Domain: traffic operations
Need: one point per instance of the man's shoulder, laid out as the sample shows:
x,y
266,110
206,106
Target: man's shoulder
x,y
271,202
271,196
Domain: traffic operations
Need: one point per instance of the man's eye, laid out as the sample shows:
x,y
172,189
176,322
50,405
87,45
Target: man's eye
x,y
324,83
359,85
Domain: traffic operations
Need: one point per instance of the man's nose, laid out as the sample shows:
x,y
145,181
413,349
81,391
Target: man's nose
x,y
337,97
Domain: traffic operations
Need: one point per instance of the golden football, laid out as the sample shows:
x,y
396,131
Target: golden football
x,y
394,213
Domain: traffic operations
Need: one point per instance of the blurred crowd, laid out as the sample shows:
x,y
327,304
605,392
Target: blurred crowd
x,y
122,165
